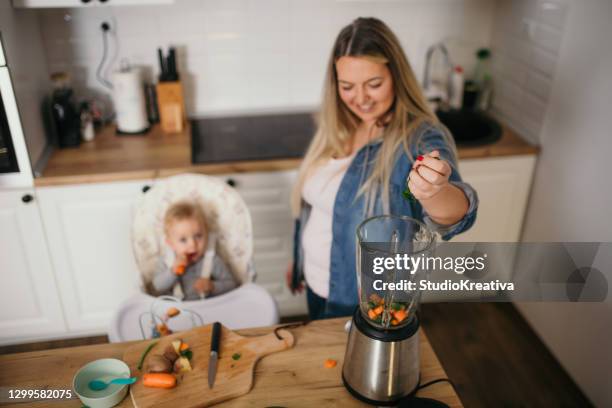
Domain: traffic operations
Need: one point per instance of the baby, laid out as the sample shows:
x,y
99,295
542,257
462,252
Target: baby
x,y
187,235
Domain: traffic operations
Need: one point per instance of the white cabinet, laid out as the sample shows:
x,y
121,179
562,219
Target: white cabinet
x,y
502,185
267,195
29,303
85,3
89,231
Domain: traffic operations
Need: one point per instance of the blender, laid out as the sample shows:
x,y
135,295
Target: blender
x,y
381,364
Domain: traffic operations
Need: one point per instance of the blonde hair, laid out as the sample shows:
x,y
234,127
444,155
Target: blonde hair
x,y
184,210
368,38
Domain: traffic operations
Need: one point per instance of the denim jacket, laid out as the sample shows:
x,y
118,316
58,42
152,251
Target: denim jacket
x,y
349,212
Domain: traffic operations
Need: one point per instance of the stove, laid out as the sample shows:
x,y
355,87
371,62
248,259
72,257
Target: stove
x,y
255,137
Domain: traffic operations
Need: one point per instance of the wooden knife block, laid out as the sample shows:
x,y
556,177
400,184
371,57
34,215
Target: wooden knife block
x,y
171,105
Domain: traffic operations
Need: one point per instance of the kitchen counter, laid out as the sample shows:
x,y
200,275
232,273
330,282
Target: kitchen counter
x,y
110,157
281,379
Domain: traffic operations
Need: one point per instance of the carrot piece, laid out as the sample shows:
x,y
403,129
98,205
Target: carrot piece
x,y
179,270
159,380
394,322
330,363
371,314
378,310
400,315
173,311
183,347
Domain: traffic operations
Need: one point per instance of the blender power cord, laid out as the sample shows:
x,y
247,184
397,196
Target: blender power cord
x,y
432,382
105,32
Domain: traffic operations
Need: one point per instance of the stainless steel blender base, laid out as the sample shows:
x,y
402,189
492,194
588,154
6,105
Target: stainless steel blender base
x,y
381,367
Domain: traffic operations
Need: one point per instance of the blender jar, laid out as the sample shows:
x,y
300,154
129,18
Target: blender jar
x,y
392,254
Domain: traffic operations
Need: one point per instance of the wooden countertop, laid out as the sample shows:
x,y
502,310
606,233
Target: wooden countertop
x,y
281,379
110,157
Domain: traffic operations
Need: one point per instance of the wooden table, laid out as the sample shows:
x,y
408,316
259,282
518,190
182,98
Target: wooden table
x,y
291,378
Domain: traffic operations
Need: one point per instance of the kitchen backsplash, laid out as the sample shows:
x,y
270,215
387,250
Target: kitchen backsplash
x,y
526,41
249,55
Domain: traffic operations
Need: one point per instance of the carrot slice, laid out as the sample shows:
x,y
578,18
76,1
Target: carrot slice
x,y
371,314
330,363
400,315
378,310
183,347
159,380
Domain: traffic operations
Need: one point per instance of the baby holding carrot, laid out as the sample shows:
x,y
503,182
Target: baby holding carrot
x,y
200,273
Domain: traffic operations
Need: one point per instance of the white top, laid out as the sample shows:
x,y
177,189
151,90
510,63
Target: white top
x,y
319,190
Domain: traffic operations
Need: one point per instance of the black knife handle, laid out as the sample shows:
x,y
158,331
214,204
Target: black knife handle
x,y
216,336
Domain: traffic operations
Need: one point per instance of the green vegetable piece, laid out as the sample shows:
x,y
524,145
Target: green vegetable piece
x,y
371,305
187,353
396,306
144,354
236,356
408,195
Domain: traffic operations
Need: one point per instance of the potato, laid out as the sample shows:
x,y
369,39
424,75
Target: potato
x,y
182,365
158,364
176,344
170,353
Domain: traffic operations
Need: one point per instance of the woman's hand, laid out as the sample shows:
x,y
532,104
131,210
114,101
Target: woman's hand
x,y
429,176
289,280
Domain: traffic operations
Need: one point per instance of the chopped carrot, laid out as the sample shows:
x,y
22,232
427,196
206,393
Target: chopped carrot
x,y
179,270
183,347
329,363
394,322
173,311
400,315
371,314
378,310
159,380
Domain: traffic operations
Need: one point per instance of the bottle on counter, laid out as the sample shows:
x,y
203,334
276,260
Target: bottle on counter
x,y
456,88
66,118
87,127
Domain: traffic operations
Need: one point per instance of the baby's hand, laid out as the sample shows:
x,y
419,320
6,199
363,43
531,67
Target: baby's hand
x,y
428,176
204,286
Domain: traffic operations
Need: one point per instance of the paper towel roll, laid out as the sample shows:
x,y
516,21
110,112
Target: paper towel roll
x,y
129,100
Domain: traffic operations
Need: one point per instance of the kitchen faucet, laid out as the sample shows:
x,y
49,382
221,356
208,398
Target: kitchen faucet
x,y
432,92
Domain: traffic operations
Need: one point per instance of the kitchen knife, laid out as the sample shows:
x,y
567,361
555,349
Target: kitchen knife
x,y
214,353
162,65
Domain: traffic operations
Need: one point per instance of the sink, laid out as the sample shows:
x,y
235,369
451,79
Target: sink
x,y
470,128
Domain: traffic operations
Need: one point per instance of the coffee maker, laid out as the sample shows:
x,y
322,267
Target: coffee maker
x,y
381,364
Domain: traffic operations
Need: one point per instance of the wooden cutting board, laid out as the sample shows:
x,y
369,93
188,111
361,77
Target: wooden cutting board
x,y
234,377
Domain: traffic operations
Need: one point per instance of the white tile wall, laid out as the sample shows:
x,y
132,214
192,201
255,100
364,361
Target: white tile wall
x,y
526,36
242,55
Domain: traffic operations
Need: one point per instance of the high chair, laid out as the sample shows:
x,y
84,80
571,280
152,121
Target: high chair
x,y
231,236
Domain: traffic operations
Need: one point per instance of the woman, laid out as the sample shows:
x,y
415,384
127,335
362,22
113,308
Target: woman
x,y
376,137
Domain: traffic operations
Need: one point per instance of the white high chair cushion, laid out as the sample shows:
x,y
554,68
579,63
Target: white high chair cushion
x,y
226,214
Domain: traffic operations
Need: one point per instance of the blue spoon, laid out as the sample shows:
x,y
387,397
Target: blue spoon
x,y
99,385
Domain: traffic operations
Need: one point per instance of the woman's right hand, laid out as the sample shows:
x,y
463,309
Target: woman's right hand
x,y
289,280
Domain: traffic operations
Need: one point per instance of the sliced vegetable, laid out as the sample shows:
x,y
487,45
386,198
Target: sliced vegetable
x,y
236,356
173,311
183,346
378,310
179,270
182,365
144,354
187,354
371,314
159,380
330,363
400,315
158,364
177,345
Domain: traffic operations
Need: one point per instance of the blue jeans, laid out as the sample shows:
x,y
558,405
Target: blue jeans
x,y
320,308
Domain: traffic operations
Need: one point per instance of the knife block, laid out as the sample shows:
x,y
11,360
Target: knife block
x,y
171,105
